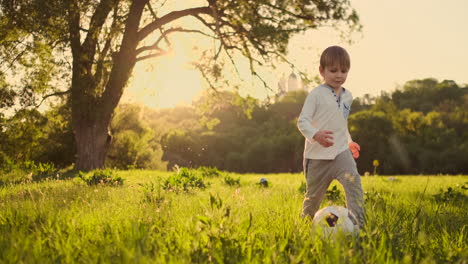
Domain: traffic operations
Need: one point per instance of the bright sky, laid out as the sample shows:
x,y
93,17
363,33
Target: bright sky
x,y
400,41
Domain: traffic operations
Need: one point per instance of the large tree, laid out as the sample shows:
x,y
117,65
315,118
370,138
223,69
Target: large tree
x,y
106,38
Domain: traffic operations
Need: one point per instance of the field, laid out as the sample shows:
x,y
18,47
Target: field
x,y
410,219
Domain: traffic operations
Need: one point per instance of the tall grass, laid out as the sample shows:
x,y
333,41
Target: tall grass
x,y
411,219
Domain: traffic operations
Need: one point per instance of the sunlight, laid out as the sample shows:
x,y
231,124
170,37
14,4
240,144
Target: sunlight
x,y
165,81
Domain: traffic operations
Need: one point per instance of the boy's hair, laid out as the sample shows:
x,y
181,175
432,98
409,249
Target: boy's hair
x,y
335,55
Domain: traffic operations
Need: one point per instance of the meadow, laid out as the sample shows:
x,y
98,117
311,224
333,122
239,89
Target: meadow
x,y
152,217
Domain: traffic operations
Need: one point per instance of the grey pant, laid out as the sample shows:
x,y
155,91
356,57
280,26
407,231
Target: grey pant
x,y
320,173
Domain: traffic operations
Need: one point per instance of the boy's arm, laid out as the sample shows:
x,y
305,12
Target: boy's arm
x,y
304,122
349,137
353,146
305,125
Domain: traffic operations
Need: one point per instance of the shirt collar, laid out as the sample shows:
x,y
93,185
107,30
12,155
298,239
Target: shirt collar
x,y
333,90
337,97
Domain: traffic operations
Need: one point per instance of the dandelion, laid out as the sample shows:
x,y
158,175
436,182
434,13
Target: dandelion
x,y
376,164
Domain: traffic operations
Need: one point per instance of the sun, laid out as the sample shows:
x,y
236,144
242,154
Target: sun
x,y
165,81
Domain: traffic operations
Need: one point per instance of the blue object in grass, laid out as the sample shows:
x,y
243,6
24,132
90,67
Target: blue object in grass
x,y
263,182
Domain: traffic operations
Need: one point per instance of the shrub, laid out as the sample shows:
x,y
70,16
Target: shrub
x,y
25,172
152,193
40,170
101,177
231,181
209,171
184,180
452,194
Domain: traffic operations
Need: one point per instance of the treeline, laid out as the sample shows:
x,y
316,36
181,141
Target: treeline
x,y
420,128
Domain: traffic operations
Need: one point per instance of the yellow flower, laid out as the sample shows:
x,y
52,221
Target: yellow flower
x,y
376,163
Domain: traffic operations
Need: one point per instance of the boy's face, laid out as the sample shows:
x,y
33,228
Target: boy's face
x,y
334,76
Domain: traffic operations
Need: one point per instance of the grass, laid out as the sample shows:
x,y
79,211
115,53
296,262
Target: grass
x,y
410,219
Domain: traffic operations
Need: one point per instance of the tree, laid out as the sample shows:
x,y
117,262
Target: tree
x,y
135,144
21,135
372,130
244,131
107,38
426,94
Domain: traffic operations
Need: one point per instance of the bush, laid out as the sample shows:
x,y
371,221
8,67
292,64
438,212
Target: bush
x,y
40,170
152,193
453,194
184,180
25,172
101,177
209,171
231,181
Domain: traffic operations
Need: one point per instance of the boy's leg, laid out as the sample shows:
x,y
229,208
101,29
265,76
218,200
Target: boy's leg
x,y
318,178
349,177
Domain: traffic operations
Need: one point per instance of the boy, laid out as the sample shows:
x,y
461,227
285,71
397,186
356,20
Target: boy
x,y
323,122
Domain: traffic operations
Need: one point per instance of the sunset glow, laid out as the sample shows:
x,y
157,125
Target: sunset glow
x,y
396,45
165,81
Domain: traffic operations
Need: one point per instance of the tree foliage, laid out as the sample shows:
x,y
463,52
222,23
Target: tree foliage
x,y
427,128
403,140
247,136
41,137
135,144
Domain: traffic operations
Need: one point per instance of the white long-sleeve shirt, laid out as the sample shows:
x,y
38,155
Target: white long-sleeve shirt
x,y
323,111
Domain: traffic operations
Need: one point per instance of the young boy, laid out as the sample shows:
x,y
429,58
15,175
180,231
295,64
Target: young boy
x,y
323,122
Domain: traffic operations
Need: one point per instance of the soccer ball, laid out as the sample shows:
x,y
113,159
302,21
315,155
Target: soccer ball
x,y
333,220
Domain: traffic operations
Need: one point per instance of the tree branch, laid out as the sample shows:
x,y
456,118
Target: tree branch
x,y
154,55
152,11
74,27
155,46
100,69
53,94
146,30
124,60
288,12
208,25
97,20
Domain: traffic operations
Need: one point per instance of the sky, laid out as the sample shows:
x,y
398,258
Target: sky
x,y
400,41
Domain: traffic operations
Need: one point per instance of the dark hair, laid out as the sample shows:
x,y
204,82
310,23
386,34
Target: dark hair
x,y
333,55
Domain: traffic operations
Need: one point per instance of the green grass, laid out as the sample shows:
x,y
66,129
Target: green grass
x,y
412,219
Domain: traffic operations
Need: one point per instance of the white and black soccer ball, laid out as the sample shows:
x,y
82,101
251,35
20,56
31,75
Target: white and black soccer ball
x,y
332,220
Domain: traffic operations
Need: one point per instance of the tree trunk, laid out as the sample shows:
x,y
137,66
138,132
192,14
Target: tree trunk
x,y
93,105
93,141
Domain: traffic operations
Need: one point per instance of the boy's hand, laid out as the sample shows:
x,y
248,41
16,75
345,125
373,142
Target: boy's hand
x,y
355,148
323,138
